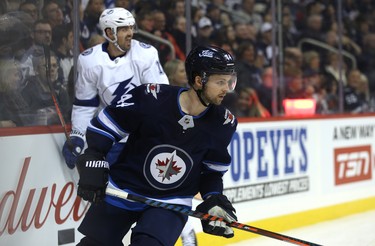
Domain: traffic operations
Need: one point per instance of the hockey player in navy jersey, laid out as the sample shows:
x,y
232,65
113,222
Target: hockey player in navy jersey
x,y
177,140
107,72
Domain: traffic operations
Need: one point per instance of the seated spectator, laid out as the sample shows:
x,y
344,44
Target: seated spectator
x,y
245,11
333,67
15,36
329,95
126,4
14,110
311,63
205,30
313,30
175,71
30,8
248,104
264,42
63,47
42,37
53,13
354,99
294,85
160,31
266,88
38,94
248,75
214,14
90,22
244,32
179,32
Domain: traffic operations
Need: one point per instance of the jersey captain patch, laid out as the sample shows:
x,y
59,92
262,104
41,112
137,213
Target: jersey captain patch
x,y
167,166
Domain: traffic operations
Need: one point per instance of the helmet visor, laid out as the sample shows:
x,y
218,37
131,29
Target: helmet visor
x,y
224,80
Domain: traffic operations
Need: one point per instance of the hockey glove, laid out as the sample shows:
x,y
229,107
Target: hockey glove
x,y
73,148
93,177
218,205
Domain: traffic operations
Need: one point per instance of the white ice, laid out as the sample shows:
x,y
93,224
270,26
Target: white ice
x,y
353,230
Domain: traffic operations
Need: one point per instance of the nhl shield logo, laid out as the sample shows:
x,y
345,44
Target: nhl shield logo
x,y
166,167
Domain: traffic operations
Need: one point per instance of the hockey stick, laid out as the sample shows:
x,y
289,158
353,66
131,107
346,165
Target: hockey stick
x,y
202,216
47,55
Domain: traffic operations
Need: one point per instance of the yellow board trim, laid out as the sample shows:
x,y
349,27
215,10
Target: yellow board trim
x,y
291,221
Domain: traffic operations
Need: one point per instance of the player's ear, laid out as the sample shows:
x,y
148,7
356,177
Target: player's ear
x,y
109,33
198,82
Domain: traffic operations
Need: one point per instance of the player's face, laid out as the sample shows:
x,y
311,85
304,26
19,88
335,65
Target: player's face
x,y
124,36
217,87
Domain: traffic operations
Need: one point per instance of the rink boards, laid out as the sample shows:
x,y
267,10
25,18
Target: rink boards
x,y
285,174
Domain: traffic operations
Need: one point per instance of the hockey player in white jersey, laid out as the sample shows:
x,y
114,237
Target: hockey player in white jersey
x,y
107,72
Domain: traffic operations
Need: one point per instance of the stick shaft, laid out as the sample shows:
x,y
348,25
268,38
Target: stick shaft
x,y
47,55
203,216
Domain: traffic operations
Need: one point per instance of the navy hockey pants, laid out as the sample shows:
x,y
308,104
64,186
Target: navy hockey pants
x,y
106,225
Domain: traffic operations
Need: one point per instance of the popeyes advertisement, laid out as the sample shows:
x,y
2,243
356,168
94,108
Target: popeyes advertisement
x,y
272,161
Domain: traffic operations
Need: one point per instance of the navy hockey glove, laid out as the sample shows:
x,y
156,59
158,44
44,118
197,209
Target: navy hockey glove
x,y
218,205
73,148
93,177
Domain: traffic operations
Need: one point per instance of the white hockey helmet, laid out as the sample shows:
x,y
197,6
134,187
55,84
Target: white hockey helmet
x,y
114,18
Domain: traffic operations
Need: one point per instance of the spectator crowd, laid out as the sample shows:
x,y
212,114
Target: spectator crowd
x,y
36,58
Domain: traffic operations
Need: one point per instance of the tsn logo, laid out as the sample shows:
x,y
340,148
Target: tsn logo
x,y
352,164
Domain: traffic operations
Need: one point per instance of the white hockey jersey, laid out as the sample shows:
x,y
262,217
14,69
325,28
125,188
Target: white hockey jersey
x,y
104,81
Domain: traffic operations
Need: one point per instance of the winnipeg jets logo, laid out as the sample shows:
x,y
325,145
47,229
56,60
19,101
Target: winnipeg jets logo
x,y
206,53
153,89
229,117
167,167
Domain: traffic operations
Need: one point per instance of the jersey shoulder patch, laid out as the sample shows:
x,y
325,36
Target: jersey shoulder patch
x,y
144,45
153,89
229,118
87,52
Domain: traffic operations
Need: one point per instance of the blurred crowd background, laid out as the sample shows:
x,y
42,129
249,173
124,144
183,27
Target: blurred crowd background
x,y
320,51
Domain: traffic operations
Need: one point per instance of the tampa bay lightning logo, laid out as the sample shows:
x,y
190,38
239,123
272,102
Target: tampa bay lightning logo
x,y
166,167
119,94
144,45
87,52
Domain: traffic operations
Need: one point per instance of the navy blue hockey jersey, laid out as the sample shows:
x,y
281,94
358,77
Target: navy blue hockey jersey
x,y
169,155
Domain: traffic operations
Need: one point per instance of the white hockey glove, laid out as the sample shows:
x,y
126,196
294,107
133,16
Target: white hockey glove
x,y
218,205
73,148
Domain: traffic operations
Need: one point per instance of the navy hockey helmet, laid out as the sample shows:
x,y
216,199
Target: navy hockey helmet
x,y
204,61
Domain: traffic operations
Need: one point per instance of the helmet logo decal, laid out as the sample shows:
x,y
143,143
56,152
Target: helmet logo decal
x,y
186,122
167,167
206,53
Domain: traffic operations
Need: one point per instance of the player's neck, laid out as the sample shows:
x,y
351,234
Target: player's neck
x,y
190,103
114,52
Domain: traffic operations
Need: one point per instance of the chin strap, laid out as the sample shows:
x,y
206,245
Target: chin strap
x,y
118,47
199,94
